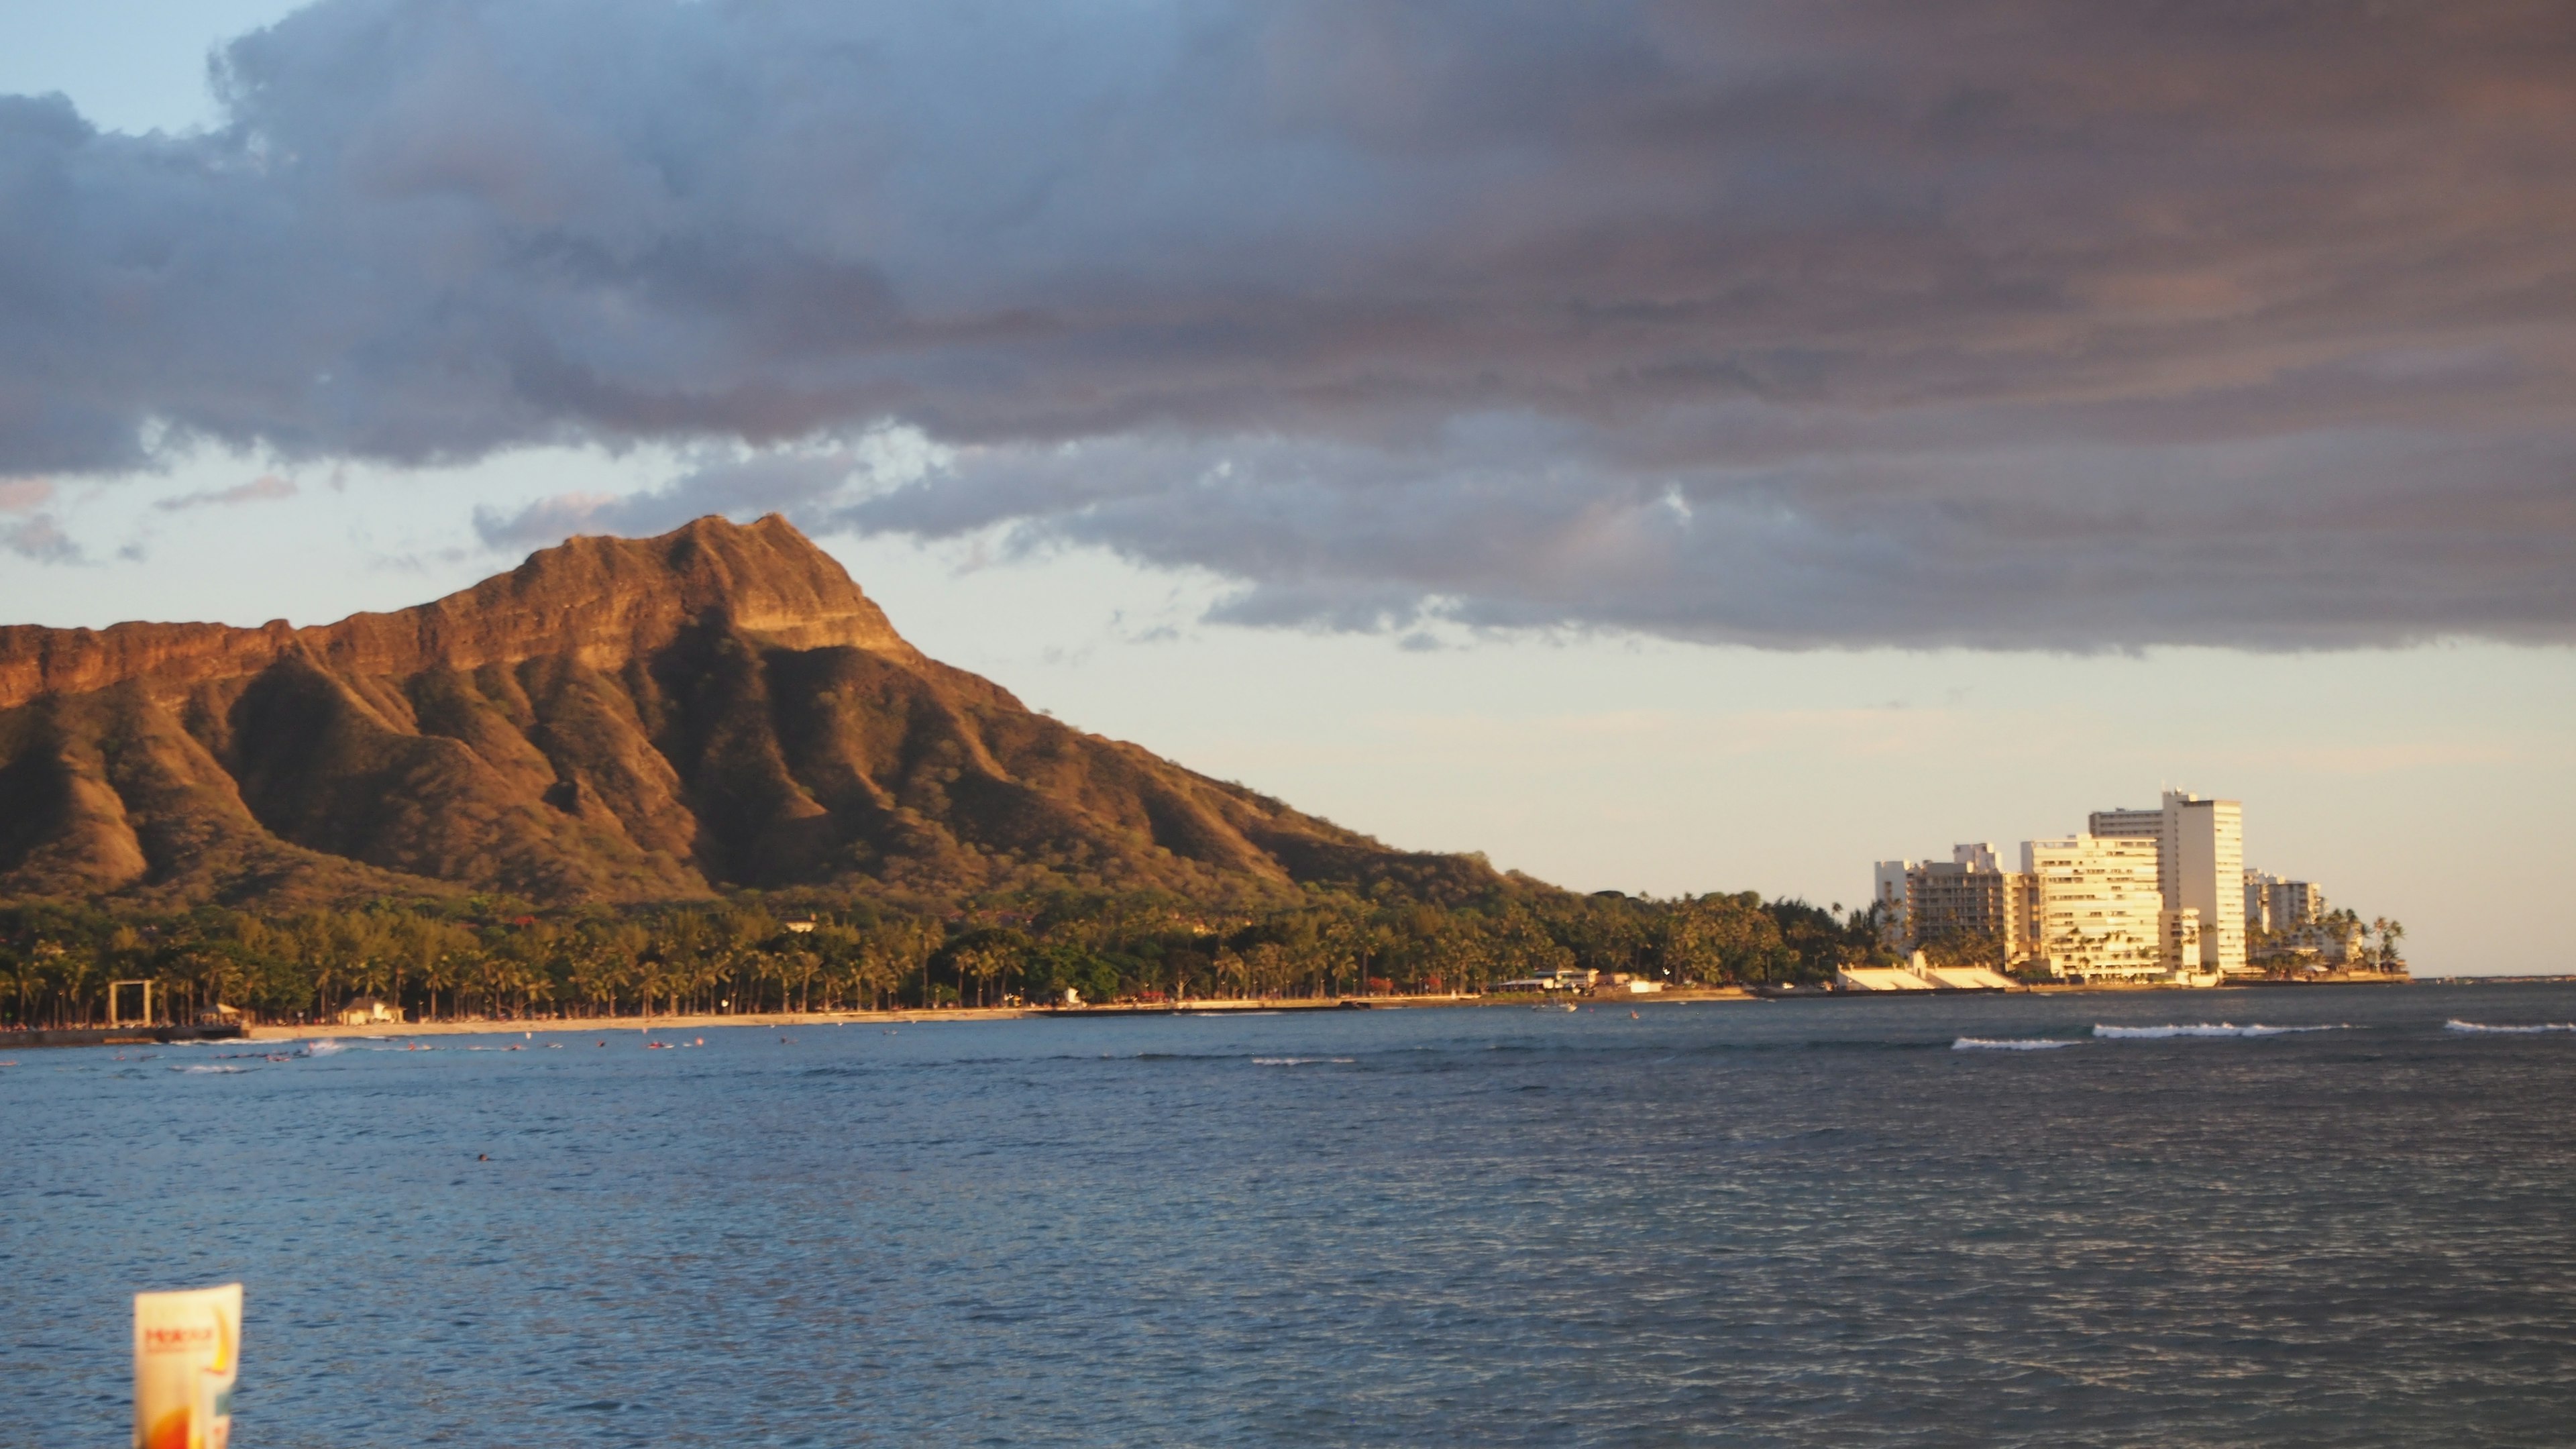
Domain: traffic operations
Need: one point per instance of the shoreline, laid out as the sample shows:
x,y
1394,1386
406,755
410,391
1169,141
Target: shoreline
x,y
701,1021
1217,1006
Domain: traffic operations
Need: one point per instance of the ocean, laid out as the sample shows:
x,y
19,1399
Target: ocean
x,y
1774,1223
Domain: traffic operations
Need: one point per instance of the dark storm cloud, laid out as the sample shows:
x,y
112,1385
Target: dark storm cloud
x,y
2003,322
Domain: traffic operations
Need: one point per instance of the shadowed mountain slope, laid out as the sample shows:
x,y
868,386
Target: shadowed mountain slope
x,y
615,719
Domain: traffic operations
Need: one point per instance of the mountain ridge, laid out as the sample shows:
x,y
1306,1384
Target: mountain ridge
x,y
614,720
763,571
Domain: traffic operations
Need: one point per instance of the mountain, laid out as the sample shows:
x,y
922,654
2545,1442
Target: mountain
x,y
613,720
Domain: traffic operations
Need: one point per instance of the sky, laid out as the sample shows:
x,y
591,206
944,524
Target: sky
x,y
1667,447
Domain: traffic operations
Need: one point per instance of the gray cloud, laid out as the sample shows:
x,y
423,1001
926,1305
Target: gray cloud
x,y
41,538
266,488
750,486
812,482
2008,322
35,535
2310,540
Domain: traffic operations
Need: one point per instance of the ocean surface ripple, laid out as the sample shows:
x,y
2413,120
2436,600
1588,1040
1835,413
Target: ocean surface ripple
x,y
1989,1221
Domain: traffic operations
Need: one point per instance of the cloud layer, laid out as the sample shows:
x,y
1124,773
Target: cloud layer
x,y
266,488
2002,323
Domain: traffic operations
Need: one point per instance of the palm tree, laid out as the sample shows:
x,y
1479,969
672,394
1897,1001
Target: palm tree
x,y
24,976
980,963
442,972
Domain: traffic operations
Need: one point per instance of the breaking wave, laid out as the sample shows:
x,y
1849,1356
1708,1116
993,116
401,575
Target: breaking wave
x,y
2482,1028
2007,1044
2120,1033
323,1048
1300,1061
208,1068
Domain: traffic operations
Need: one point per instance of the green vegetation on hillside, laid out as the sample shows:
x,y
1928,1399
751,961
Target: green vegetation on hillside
x,y
496,958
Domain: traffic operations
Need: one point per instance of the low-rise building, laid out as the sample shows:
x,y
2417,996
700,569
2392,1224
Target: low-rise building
x,y
2182,939
1561,979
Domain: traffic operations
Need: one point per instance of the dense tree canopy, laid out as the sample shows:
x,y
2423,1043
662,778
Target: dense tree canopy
x,y
497,958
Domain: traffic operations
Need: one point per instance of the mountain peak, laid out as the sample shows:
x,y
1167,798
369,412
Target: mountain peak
x,y
603,600
614,719
609,599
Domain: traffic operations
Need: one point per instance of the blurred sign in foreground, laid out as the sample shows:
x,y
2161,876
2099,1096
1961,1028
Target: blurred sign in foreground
x,y
187,1348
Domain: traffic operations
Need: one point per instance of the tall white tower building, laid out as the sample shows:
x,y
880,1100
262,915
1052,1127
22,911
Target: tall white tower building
x,y
2200,866
2200,863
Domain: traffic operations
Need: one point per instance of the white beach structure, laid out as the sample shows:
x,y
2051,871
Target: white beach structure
x,y
1919,974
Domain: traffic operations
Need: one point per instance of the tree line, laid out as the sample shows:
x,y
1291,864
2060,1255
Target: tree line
x,y
2339,938
488,959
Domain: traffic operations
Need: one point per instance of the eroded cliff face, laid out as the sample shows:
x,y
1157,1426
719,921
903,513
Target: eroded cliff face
x,y
616,719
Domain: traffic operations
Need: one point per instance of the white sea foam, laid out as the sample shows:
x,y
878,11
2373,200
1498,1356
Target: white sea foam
x,y
2007,1044
323,1048
204,1068
2482,1028
1299,1061
2222,1028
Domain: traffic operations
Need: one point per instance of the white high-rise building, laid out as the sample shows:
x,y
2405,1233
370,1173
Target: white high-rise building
x,y
1887,889
2142,893
2126,824
2273,903
2200,866
2098,910
1969,898
2258,899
